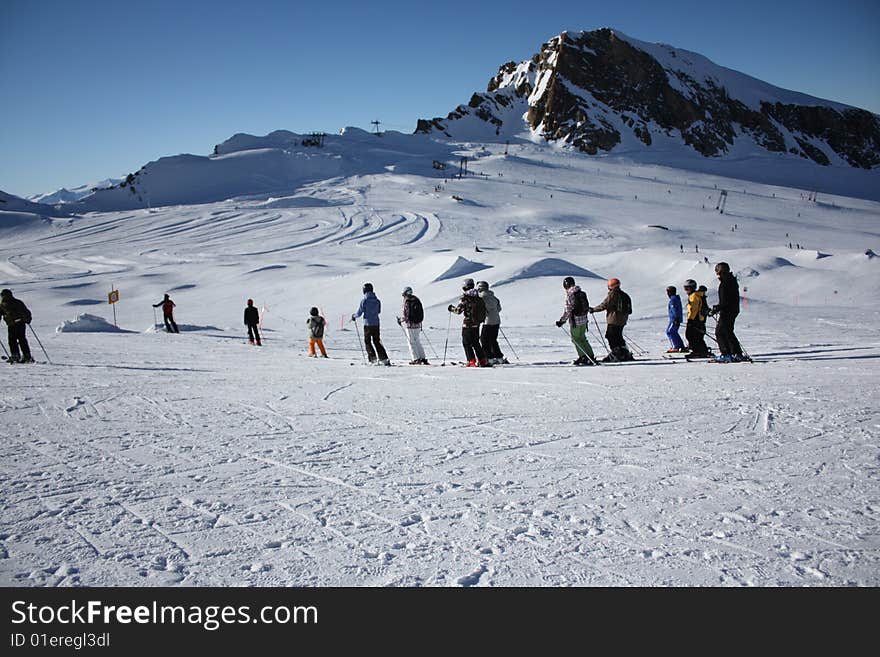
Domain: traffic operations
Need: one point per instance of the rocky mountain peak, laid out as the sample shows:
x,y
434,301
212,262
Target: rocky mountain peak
x,y
602,90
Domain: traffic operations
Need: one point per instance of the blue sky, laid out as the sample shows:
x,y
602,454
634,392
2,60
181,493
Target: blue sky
x,y
97,89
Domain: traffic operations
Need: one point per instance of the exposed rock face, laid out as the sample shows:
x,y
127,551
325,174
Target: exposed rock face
x,y
597,90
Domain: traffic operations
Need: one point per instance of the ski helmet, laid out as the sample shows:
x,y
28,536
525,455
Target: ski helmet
x,y
568,282
250,302
613,282
313,312
482,285
368,287
722,267
690,284
6,293
407,291
671,290
468,284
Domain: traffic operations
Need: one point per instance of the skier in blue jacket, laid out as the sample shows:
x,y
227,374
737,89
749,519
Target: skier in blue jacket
x,y
675,317
370,307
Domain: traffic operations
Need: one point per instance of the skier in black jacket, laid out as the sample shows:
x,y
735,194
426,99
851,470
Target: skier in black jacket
x,y
727,309
17,317
251,319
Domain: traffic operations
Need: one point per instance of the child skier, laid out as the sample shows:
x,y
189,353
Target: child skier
x,y
675,318
316,325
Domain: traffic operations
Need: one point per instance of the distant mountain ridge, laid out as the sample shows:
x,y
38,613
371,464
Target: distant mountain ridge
x,y
604,91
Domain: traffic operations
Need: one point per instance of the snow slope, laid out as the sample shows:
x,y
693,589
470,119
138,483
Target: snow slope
x,y
146,458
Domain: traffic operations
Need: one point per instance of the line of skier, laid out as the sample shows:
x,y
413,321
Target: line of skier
x,y
481,322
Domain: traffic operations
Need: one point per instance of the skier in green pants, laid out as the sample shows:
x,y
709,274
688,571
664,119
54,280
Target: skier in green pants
x,y
577,309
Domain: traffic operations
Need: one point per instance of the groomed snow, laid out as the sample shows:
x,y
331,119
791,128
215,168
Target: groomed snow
x,y
195,459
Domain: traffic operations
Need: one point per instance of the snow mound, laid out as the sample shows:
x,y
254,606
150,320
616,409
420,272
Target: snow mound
x,y
550,267
15,221
160,328
86,323
461,267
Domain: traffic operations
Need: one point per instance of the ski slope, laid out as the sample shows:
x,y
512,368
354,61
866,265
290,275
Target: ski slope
x,y
143,458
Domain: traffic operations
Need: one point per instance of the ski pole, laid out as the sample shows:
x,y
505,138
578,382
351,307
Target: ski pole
x,y
4,350
636,345
599,331
508,342
448,327
578,347
429,343
155,319
357,336
39,342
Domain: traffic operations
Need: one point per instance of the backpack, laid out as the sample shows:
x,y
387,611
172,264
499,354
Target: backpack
x,y
416,312
625,304
580,305
477,313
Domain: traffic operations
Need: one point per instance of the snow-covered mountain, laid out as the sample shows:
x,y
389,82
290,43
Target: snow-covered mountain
x,y
11,203
278,163
603,91
600,92
64,195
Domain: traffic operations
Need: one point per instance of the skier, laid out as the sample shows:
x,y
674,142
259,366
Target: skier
x,y
168,314
316,325
675,317
413,316
489,332
251,319
370,307
17,317
617,307
473,309
727,309
695,330
577,308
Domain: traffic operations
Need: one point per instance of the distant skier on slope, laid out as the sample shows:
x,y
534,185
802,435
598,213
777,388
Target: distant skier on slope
x,y
618,307
675,319
577,314
695,330
474,310
492,325
727,310
316,325
413,316
370,307
251,319
17,317
168,314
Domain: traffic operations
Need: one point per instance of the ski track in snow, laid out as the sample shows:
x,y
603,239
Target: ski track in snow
x,y
194,460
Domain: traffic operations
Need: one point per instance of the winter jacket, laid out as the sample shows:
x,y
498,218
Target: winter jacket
x,y
697,306
493,307
14,311
408,304
316,327
468,306
370,308
167,306
251,316
728,295
611,304
674,306
574,320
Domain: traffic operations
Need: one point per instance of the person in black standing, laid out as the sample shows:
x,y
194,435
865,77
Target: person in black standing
x,y
168,314
251,320
727,310
17,317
